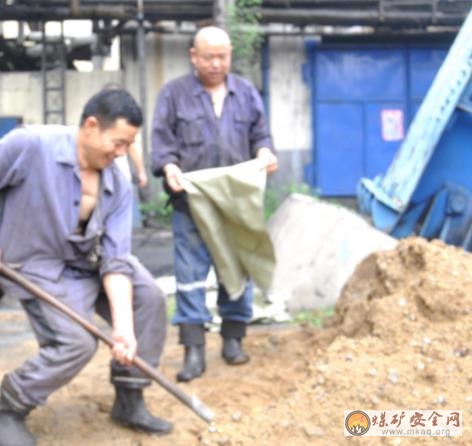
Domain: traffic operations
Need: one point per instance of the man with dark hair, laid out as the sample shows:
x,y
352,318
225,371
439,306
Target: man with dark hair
x,y
108,106
207,118
66,224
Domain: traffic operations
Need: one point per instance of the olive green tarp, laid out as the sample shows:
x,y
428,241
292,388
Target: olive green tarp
x,y
227,205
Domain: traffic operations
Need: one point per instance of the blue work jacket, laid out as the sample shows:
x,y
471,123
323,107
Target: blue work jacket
x,y
41,189
186,131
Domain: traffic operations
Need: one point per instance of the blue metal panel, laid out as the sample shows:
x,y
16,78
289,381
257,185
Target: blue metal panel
x,y
8,123
353,87
427,189
434,220
458,216
340,160
451,161
424,64
401,180
376,81
360,74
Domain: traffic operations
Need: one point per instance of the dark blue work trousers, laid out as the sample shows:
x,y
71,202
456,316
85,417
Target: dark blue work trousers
x,y
192,263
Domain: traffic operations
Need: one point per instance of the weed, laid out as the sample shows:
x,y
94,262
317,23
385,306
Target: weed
x,y
159,210
313,318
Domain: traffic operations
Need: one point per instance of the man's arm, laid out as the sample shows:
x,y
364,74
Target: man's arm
x,y
137,158
164,144
17,155
116,270
119,291
259,134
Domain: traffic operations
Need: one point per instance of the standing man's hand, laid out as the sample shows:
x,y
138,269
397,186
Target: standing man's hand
x,y
268,158
173,177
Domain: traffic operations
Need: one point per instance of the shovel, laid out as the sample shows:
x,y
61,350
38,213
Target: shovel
x,y
191,401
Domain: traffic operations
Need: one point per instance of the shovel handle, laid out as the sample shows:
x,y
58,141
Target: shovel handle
x,y
191,401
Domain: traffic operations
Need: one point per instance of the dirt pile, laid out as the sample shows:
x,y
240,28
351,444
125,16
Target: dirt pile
x,y
399,339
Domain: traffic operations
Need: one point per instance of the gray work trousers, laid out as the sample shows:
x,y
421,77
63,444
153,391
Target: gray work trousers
x,y
65,347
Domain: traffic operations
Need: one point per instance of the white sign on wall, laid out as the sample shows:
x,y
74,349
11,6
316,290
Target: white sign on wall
x,y
392,125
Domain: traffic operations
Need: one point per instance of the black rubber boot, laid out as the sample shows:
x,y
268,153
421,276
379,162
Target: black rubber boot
x,y
232,333
194,363
13,430
130,410
192,336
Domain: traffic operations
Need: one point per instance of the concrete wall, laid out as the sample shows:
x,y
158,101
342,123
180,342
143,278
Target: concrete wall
x,y
21,93
21,96
290,112
80,86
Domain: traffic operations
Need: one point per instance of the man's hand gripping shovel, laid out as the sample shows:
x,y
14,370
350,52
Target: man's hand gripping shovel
x,y
191,401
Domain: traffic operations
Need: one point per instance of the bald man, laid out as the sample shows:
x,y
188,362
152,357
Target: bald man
x,y
207,118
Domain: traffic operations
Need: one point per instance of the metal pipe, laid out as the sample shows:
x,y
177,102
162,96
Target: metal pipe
x,y
43,71
20,12
145,195
130,3
368,18
394,13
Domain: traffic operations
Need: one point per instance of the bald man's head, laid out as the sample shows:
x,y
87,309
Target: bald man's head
x,y
211,35
211,55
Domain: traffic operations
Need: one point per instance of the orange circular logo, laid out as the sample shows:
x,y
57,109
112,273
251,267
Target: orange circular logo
x,y
357,423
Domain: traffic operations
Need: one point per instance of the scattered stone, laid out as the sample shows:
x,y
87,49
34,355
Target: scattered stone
x,y
420,365
236,416
372,372
393,376
313,431
285,424
461,352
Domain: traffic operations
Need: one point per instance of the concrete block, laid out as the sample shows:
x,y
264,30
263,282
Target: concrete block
x,y
317,246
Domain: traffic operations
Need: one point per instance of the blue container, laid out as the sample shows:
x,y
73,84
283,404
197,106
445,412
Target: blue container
x,y
427,188
363,99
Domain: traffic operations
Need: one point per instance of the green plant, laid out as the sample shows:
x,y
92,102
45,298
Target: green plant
x,y
158,210
171,306
271,202
314,317
246,37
